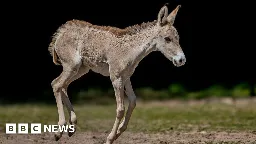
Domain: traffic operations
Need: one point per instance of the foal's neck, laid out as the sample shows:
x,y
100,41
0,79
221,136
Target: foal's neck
x,y
146,43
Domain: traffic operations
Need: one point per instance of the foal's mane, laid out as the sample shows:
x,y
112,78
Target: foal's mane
x,y
114,30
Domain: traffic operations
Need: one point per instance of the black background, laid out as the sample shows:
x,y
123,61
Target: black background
x,y
216,38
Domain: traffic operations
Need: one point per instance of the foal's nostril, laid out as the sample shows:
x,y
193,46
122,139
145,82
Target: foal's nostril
x,y
180,60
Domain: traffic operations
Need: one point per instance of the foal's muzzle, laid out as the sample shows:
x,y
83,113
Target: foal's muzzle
x,y
179,60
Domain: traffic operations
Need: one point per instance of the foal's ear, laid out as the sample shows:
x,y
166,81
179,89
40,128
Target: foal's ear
x,y
172,15
162,16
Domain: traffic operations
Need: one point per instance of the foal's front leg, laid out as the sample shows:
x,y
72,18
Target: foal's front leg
x,y
132,103
118,85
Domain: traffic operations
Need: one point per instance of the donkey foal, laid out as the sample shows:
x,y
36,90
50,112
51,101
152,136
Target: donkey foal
x,y
80,46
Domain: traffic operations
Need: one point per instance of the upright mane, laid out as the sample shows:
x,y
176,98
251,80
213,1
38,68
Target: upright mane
x,y
114,30
138,27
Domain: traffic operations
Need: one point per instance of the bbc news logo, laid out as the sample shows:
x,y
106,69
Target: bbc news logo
x,y
36,128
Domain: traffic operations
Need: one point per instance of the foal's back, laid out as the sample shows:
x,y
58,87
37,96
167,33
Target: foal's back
x,y
79,41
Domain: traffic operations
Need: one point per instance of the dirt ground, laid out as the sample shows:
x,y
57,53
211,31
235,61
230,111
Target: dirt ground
x,y
174,137
136,138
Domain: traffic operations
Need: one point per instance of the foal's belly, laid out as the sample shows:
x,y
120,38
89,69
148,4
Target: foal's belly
x,y
103,69
96,64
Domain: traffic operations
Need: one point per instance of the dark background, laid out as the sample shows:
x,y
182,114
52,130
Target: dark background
x,y
215,38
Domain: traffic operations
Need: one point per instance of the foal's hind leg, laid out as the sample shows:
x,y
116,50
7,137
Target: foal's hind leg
x,y
72,115
58,85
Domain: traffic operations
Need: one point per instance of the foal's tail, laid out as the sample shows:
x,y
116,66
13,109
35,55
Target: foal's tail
x,y
55,57
53,53
52,45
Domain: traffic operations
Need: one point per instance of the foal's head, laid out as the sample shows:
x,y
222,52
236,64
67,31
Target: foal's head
x,y
168,39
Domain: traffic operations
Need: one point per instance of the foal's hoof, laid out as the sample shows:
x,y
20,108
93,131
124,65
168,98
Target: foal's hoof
x,y
71,133
57,137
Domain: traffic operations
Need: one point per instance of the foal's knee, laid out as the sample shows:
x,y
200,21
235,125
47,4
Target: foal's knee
x,y
120,112
56,86
54,82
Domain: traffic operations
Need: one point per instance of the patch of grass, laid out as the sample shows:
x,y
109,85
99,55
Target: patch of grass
x,y
241,90
174,91
151,94
146,117
95,96
212,91
177,90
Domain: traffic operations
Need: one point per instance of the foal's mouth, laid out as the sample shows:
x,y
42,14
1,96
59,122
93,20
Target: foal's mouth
x,y
179,60
177,64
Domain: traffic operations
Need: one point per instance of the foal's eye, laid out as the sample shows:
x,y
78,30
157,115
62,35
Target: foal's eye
x,y
167,39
